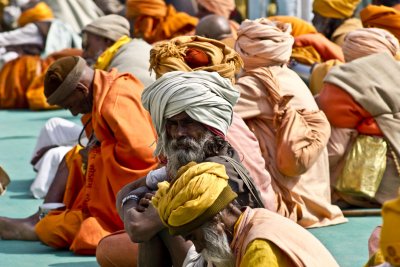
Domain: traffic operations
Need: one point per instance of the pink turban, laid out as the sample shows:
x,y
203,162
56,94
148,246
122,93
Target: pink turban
x,y
218,7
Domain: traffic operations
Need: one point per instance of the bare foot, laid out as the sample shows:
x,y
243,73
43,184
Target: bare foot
x,y
19,229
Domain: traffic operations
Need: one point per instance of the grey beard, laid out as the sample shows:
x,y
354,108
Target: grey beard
x,y
181,151
217,249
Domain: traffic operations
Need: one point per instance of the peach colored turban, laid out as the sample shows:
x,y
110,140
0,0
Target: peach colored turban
x,y
299,26
218,7
263,43
364,42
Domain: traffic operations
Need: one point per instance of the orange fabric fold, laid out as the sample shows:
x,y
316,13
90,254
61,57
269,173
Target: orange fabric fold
x,y
326,49
343,111
22,81
299,26
157,28
123,154
154,8
381,17
37,13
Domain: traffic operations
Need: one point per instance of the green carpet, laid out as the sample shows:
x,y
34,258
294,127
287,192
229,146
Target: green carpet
x,y
18,132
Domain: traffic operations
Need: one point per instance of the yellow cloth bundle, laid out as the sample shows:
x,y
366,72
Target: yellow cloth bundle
x,y
390,235
205,54
200,192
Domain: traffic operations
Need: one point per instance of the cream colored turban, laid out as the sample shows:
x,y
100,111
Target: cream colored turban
x,y
193,53
337,9
112,27
219,7
205,96
200,192
263,43
368,41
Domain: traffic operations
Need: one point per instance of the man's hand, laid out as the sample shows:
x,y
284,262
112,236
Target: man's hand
x,y
140,193
141,226
144,202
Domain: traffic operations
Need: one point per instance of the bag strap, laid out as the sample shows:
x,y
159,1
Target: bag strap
x,y
244,174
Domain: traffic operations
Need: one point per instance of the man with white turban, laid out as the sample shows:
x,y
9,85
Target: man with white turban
x,y
292,136
200,205
191,112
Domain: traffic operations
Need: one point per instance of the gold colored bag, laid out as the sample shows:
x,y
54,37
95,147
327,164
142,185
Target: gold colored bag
x,y
364,167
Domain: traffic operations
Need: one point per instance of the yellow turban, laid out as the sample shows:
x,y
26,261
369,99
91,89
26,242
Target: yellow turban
x,y
200,192
337,9
390,235
154,8
37,13
318,74
193,53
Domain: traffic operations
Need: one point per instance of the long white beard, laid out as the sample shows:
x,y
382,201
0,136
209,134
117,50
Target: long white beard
x,y
217,249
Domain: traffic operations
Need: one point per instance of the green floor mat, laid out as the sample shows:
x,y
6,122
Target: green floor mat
x,y
18,131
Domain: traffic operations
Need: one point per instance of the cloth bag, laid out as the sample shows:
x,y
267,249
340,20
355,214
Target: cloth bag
x,y
364,167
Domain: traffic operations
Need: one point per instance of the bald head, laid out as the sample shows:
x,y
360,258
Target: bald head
x,y
214,27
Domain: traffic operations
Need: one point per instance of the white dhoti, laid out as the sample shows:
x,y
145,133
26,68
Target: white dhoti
x,y
57,132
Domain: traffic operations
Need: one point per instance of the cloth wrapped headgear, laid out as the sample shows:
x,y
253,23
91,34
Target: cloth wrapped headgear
x,y
364,42
205,96
62,77
154,8
41,11
264,43
112,27
193,53
390,234
337,9
299,26
200,192
219,7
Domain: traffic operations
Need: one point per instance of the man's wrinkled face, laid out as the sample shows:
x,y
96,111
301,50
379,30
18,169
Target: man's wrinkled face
x,y
185,141
78,101
93,46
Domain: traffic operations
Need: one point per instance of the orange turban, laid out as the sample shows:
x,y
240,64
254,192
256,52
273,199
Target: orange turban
x,y
299,26
381,17
218,7
337,9
326,49
37,13
154,8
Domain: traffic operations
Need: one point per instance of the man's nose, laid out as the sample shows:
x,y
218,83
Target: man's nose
x,y
181,130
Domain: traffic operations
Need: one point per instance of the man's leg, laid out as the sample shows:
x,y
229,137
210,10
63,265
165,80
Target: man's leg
x,y
154,253
177,247
24,229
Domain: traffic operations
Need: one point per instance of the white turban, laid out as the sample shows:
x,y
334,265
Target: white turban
x,y
205,96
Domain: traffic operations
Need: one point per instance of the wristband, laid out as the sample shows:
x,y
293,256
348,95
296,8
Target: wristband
x,y
129,197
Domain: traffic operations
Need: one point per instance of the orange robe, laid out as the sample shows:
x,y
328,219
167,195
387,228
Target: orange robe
x,y
123,154
22,81
381,17
155,21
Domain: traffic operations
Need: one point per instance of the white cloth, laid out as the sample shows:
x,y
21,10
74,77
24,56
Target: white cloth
x,y
77,13
29,34
156,176
59,37
62,133
205,96
194,259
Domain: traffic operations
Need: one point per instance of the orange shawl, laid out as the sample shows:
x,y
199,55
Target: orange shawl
x,y
154,28
37,13
325,48
21,81
124,154
381,17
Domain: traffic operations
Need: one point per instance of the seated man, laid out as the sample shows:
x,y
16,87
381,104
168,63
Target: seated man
x,y
39,33
191,125
360,98
200,206
335,18
106,45
290,128
119,152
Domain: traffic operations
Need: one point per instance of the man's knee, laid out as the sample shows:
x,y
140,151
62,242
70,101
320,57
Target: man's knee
x,y
117,250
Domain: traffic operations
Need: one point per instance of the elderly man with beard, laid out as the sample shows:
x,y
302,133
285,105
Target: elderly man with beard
x,y
200,205
191,112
